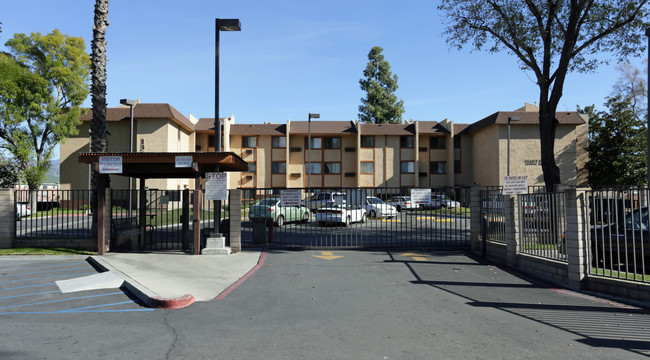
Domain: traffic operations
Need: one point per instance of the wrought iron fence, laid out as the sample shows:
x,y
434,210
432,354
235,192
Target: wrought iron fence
x,y
542,224
354,218
619,243
53,214
494,215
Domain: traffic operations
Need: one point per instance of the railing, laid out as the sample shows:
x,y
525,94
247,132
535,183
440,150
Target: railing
x,y
542,223
59,214
354,218
494,215
619,245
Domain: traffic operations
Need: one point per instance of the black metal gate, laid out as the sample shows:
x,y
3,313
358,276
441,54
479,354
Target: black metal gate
x,y
350,221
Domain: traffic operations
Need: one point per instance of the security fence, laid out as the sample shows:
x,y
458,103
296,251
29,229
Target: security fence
x,y
542,223
355,218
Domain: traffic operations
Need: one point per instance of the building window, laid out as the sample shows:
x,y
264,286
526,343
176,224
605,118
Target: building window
x,y
279,142
315,168
249,142
248,194
438,167
367,167
211,141
315,142
456,166
278,167
252,167
408,167
437,142
367,141
332,143
407,141
332,168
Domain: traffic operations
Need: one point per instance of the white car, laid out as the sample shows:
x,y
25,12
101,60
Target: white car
x,y
402,203
22,210
376,208
340,213
319,200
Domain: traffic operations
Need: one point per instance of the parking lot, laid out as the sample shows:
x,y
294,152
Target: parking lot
x,y
28,286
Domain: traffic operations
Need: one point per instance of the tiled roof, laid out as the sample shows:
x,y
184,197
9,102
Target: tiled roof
x,y
322,127
258,129
206,124
143,111
387,129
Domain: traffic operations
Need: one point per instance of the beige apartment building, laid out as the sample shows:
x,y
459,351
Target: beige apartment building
x,y
343,153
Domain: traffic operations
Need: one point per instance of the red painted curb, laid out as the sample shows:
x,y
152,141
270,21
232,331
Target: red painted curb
x,y
176,303
232,287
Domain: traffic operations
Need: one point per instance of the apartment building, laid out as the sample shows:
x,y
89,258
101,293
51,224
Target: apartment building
x,y
344,153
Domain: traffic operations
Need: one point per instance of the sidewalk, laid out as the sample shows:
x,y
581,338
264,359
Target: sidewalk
x,y
176,280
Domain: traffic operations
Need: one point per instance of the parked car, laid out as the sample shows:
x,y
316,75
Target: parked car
x,y
274,209
376,208
319,200
624,243
402,203
22,210
340,213
493,204
442,201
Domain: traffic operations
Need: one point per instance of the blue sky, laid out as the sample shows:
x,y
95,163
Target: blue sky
x,y
295,57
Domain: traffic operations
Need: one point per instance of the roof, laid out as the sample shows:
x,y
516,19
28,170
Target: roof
x,y
163,165
258,129
206,124
143,111
525,118
322,127
387,129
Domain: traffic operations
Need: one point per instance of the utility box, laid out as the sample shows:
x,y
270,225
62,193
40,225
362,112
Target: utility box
x,y
259,231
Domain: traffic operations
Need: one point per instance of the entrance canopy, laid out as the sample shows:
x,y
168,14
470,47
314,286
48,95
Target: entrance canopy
x,y
146,165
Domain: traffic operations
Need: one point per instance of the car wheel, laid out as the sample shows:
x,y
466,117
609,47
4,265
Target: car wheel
x,y
279,221
372,214
399,208
421,207
347,221
363,218
305,217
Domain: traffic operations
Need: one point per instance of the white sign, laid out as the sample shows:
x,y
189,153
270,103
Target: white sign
x,y
183,161
515,185
216,186
421,196
110,164
290,197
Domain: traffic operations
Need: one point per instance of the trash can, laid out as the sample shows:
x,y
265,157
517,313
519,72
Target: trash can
x,y
259,231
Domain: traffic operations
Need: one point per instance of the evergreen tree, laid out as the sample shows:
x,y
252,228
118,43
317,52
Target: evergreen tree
x,y
617,144
380,105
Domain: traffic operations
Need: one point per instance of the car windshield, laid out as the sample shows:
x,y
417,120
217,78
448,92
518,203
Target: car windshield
x,y
374,200
334,204
637,220
267,202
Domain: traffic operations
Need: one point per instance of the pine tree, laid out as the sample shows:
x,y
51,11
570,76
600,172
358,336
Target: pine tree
x,y
380,105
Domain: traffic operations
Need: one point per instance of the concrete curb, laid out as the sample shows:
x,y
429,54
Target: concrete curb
x,y
144,294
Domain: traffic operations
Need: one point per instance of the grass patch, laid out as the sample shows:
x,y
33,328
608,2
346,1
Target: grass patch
x,y
451,211
44,251
620,274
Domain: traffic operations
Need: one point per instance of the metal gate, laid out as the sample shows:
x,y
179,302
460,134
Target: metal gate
x,y
355,218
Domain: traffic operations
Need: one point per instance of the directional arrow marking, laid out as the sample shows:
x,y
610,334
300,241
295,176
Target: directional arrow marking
x,y
327,255
416,257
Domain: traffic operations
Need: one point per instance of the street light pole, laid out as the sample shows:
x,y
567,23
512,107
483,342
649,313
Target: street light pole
x,y
647,33
220,25
510,119
131,104
311,116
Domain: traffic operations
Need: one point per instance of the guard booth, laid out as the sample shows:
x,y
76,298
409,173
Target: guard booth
x,y
145,166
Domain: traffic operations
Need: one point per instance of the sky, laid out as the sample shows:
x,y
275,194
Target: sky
x,y
295,57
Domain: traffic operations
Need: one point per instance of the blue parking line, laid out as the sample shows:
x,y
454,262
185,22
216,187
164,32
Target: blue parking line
x,y
72,312
83,309
12,264
45,272
47,277
28,286
48,266
60,300
17,296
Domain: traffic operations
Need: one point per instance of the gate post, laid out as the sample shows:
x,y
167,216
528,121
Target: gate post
x,y
476,217
7,218
512,229
235,219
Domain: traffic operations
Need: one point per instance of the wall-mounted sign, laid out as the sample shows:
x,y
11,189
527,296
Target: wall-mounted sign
x,y
532,162
216,186
515,185
110,164
183,161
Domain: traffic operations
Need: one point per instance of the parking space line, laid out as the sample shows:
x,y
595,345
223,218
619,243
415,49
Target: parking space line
x,y
47,277
27,286
17,296
45,272
39,267
60,300
71,312
13,264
